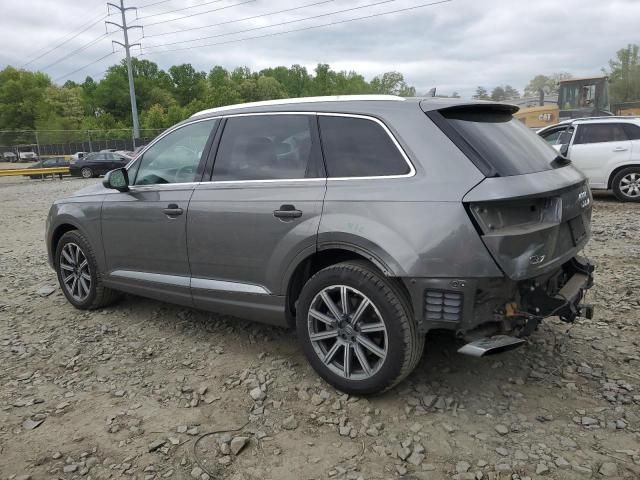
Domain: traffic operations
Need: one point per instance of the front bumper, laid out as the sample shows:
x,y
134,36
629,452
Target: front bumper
x,y
476,306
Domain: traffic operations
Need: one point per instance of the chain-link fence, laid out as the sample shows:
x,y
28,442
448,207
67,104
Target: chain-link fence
x,y
68,142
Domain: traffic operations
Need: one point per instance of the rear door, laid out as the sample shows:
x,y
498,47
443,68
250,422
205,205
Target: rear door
x,y
598,148
260,210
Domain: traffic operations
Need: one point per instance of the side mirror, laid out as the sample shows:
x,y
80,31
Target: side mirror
x,y
564,149
117,179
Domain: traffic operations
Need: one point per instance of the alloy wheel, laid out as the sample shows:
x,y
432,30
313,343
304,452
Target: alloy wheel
x,y
347,332
630,185
86,173
75,273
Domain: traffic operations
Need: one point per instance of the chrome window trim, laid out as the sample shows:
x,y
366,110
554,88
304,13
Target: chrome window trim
x,y
191,282
411,173
412,170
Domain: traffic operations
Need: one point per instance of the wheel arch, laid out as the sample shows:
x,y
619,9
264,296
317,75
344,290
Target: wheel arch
x,y
616,170
329,254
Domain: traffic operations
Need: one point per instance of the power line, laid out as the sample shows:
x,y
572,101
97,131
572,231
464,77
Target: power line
x,y
83,67
154,3
77,50
179,9
240,19
288,22
415,7
200,13
84,28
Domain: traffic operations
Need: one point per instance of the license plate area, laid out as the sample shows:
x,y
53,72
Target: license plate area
x,y
578,231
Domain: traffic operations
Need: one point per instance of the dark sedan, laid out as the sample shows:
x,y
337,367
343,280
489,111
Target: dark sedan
x,y
49,163
96,164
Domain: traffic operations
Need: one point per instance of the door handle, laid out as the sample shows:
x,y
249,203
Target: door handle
x,y
620,149
287,211
172,210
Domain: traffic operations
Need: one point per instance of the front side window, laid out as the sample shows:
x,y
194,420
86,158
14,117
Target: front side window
x,y
359,147
267,147
176,156
600,133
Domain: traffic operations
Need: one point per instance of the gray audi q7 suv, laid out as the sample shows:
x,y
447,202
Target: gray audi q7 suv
x,y
363,221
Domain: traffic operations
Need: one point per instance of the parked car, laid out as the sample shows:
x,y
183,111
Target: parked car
x,y
49,163
416,214
605,149
96,164
9,157
77,156
24,157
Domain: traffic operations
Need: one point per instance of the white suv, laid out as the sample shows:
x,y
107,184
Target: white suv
x,y
606,149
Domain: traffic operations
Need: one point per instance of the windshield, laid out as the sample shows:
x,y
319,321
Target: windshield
x,y
497,143
583,95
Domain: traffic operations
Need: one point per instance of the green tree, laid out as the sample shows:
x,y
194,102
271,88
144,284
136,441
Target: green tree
x,y
624,75
391,83
21,94
481,94
187,83
549,84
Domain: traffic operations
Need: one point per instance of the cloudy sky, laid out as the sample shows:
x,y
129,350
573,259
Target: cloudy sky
x,y
455,45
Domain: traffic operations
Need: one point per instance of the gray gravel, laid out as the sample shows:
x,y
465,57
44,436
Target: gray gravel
x,y
126,391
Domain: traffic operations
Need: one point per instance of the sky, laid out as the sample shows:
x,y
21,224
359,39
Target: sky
x,y
454,46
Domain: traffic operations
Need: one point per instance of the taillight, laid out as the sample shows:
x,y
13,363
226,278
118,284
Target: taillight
x,y
516,216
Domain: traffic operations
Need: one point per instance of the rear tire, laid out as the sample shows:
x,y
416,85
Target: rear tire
x,y
626,184
77,269
365,351
86,172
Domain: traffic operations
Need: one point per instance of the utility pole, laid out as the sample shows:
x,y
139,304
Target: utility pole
x,y
132,91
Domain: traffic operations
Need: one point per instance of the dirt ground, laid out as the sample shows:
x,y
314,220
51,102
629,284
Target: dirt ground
x,y
126,392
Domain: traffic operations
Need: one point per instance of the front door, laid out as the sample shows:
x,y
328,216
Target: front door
x,y
261,210
144,229
597,148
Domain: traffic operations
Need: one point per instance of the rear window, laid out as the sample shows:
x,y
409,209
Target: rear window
x,y
359,147
498,144
600,133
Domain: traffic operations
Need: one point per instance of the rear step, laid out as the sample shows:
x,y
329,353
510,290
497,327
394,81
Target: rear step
x,y
490,345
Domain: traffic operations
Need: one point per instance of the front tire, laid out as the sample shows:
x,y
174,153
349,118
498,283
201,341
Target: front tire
x,y
356,329
77,271
86,172
626,184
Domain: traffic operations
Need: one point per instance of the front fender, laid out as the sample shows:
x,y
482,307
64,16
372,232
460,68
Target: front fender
x,y
81,215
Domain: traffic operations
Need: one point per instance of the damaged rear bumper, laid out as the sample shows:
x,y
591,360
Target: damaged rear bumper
x,y
478,308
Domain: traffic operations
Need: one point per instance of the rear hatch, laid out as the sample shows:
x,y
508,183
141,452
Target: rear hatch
x,y
533,209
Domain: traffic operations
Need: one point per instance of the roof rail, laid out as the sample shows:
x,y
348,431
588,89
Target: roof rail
x,y
607,117
287,101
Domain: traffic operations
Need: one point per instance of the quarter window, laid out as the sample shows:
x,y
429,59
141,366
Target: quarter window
x,y
176,156
633,131
267,147
600,133
358,147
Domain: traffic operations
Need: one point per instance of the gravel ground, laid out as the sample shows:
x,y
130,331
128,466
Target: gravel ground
x,y
127,391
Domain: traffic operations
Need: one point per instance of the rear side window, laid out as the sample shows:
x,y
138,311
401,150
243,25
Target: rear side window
x,y
632,131
359,147
267,147
600,133
498,144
